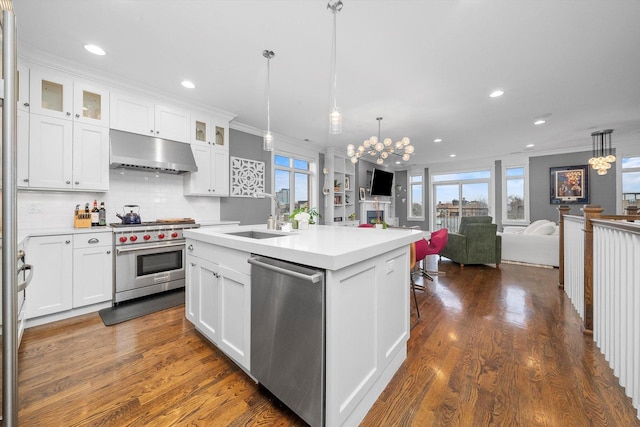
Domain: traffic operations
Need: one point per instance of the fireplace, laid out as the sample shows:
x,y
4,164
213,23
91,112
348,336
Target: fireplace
x,y
373,215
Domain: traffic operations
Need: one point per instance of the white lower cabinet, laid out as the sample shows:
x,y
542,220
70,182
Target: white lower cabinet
x,y
218,303
51,288
92,268
69,271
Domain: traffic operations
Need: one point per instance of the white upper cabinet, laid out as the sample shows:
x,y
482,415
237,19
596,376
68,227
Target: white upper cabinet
x,y
51,93
90,104
23,87
209,130
212,177
132,113
140,115
172,123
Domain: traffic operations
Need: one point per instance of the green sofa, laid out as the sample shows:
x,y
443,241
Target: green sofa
x,y
476,242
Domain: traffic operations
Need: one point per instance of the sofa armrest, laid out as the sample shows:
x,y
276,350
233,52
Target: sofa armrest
x,y
513,229
455,249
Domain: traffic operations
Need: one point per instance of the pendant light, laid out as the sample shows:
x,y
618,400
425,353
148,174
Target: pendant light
x,y
335,115
602,152
380,149
268,138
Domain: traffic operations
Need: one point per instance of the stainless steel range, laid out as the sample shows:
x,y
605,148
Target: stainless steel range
x,y
148,258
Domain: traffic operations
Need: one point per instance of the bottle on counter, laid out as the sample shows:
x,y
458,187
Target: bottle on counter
x,y
95,214
102,215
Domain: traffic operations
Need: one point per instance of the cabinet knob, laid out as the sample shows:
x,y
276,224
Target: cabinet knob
x,y
68,114
26,180
193,264
67,241
190,247
77,116
209,190
151,131
68,182
158,132
108,252
26,104
77,182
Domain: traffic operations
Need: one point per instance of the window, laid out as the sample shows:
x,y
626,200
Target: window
x,y
416,197
630,181
292,179
514,200
460,194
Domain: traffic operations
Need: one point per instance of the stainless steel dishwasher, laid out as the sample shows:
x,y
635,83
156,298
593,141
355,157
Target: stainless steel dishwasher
x,y
288,334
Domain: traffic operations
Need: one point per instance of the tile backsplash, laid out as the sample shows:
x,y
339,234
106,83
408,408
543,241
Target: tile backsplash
x,y
159,195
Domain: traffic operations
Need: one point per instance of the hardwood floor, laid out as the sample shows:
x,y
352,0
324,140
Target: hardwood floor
x,y
493,347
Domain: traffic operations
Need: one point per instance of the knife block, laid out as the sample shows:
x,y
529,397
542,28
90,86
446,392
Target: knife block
x,y
82,220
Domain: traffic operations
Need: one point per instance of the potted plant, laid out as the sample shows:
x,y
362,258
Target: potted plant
x,y
313,213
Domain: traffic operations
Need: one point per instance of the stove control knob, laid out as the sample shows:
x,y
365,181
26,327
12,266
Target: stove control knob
x,y
123,239
161,236
174,234
133,238
146,237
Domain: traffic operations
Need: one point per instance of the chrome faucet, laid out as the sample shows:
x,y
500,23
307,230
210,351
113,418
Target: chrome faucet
x,y
279,220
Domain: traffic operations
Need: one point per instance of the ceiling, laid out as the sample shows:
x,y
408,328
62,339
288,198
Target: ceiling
x,y
427,67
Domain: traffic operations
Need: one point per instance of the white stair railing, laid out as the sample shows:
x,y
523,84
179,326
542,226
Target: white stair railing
x,y
616,300
574,261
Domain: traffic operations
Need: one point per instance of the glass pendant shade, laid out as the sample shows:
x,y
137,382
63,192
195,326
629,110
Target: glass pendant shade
x,y
602,152
268,141
335,121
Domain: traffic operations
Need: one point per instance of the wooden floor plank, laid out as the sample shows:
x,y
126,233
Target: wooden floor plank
x,y
493,347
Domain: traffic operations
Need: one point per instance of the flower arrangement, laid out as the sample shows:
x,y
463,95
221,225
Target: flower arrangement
x,y
305,215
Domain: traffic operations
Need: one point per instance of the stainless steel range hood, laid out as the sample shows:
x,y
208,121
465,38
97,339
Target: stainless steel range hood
x,y
130,150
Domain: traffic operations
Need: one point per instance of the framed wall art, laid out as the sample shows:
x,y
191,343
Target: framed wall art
x,y
569,184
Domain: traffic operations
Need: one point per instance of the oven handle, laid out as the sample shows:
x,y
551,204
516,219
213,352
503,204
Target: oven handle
x,y
25,267
143,247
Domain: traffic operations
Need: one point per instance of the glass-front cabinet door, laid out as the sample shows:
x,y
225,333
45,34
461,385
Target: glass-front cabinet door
x,y
91,104
200,130
51,93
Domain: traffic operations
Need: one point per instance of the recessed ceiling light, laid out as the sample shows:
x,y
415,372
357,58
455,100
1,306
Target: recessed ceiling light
x,y
452,155
96,50
188,84
398,162
540,122
496,93
437,140
530,145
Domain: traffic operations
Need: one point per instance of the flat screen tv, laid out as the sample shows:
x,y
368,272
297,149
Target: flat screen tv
x,y
381,183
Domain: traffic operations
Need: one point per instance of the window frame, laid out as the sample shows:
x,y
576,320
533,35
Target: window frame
x,y
311,172
525,177
491,203
620,210
410,174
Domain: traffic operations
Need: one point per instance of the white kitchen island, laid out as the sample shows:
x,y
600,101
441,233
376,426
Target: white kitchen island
x,y
366,310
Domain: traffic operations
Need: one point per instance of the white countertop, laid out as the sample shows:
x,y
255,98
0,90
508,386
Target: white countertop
x,y
328,247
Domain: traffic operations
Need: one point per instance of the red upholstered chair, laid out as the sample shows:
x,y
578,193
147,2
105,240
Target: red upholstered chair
x,y
365,226
437,242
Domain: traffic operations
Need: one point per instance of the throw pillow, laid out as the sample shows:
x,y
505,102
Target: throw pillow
x,y
545,229
531,229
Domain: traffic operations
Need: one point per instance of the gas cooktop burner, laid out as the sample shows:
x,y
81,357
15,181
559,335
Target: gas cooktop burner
x,y
149,224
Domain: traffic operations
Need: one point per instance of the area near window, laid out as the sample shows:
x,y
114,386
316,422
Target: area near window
x,y
415,205
460,194
292,178
514,195
630,181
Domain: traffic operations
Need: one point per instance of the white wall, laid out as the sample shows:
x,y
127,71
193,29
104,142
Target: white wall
x,y
159,196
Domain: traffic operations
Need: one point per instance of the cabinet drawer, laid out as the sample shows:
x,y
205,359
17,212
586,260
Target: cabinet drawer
x,y
90,240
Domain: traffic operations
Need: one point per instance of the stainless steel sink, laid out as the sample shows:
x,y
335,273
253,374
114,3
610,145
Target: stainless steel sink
x,y
253,234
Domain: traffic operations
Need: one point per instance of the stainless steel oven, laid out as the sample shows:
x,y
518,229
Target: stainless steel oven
x,y
149,258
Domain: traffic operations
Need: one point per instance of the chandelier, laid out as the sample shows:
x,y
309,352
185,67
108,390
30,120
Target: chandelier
x,y
268,137
602,153
380,149
335,115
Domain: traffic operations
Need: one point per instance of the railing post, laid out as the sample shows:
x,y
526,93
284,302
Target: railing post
x,y
590,212
562,211
631,210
